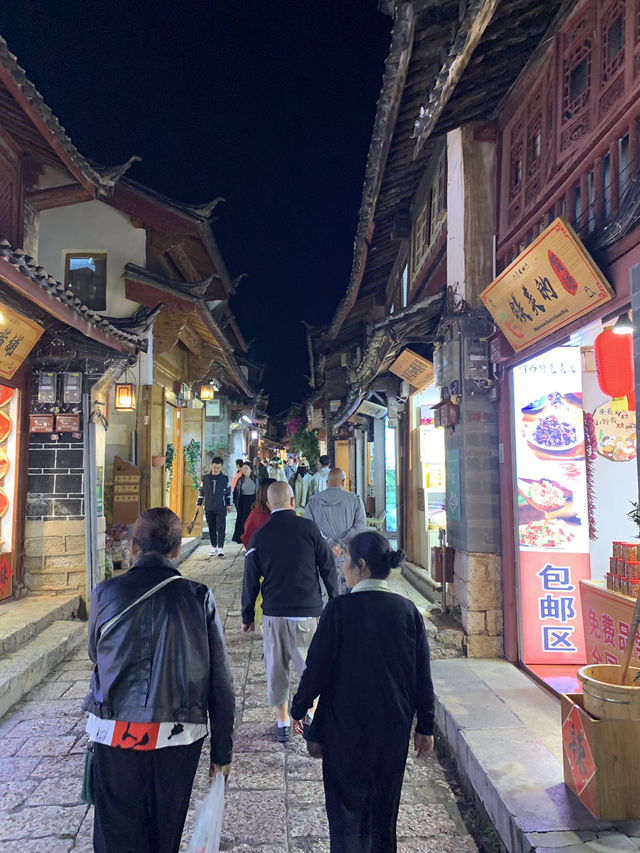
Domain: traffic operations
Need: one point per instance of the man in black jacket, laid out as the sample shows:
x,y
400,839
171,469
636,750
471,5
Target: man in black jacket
x,y
287,553
215,492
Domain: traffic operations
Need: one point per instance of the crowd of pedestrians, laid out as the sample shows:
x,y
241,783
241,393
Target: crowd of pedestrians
x,y
161,672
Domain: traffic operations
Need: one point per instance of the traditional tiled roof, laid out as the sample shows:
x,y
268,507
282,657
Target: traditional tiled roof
x,y
16,78
128,329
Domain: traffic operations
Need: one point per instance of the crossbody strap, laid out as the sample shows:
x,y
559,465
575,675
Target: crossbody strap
x,y
111,622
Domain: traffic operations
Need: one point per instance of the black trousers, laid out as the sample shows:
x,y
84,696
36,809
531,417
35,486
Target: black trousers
x,y
362,790
217,524
141,798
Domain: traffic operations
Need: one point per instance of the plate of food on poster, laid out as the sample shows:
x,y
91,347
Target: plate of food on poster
x,y
553,426
552,533
545,496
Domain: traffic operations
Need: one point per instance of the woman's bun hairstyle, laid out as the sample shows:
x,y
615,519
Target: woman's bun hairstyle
x,y
395,558
374,549
157,531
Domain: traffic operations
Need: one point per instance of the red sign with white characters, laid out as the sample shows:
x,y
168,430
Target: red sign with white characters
x,y
577,750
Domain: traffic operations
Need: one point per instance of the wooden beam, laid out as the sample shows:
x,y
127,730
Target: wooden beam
x,y
58,196
475,21
191,339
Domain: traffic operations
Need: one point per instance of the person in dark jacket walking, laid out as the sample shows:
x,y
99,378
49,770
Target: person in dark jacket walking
x,y
288,553
160,666
244,496
215,493
369,664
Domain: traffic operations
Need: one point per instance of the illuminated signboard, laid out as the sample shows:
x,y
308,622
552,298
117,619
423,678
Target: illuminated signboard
x,y
549,285
551,519
18,336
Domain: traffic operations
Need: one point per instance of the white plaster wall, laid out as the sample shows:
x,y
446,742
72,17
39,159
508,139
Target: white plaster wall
x,y
455,212
93,226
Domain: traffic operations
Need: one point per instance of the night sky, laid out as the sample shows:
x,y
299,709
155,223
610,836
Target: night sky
x,y
270,105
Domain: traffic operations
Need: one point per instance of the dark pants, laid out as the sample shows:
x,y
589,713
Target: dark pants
x,y
362,791
217,522
141,798
243,507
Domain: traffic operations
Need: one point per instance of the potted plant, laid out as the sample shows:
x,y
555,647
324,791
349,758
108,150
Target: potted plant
x,y
168,463
192,462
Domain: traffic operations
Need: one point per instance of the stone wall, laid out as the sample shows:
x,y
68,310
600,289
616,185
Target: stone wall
x,y
477,586
55,561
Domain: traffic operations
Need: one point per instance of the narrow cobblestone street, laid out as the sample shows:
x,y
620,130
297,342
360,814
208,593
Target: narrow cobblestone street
x,y
274,801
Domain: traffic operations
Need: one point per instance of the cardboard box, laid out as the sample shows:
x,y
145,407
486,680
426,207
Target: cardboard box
x,y
601,761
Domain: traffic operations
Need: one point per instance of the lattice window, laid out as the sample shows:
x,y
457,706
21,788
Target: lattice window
x,y
612,50
576,80
419,239
515,168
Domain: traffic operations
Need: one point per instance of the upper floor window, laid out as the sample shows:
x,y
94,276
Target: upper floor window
x,y
404,286
86,275
438,198
420,242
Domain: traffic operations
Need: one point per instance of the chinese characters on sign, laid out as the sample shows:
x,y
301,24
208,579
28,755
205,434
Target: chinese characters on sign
x,y
552,283
615,433
552,505
607,617
18,336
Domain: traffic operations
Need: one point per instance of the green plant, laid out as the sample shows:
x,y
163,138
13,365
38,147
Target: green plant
x,y
192,461
305,443
169,456
634,514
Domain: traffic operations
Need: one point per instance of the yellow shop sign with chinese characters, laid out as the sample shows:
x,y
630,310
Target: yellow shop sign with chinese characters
x,y
552,283
18,336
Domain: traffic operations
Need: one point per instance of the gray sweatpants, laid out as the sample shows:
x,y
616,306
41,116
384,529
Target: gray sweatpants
x,y
285,641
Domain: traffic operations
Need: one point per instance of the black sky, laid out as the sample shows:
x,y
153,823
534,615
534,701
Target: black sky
x,y
270,105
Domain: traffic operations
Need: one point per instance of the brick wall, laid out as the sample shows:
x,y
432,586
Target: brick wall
x,y
55,488
54,560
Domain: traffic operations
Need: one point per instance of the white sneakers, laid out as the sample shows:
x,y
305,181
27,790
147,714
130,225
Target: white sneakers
x,y
213,552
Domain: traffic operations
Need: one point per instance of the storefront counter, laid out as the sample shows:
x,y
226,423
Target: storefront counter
x,y
606,617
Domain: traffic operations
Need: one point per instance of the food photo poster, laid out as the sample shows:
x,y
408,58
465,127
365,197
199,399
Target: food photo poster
x,y
552,512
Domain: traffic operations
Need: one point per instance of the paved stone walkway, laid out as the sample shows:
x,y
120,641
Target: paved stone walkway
x,y
274,801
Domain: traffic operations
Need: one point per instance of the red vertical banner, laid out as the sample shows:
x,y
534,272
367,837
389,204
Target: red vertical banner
x,y
552,514
8,456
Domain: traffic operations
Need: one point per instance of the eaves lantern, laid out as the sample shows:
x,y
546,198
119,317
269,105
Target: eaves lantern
x,y
125,397
207,392
614,365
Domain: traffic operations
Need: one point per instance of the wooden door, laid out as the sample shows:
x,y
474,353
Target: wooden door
x,y
192,430
174,419
342,460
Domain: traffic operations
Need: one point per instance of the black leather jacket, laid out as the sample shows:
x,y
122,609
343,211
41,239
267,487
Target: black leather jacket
x,y
165,660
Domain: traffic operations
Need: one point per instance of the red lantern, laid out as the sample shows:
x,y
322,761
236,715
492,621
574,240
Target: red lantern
x,y
614,364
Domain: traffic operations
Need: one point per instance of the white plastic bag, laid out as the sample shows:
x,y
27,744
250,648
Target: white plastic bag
x,y
208,823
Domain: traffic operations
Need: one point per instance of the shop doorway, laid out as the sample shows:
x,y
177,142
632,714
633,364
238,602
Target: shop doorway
x,y
575,478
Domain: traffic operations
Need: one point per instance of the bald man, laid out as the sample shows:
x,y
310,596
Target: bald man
x,y
291,556
339,515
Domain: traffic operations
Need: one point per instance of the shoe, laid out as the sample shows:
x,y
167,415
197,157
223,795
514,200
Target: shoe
x,y
213,552
283,733
221,554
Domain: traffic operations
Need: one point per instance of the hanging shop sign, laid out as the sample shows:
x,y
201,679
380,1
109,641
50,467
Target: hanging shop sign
x,y
413,368
552,522
18,336
549,285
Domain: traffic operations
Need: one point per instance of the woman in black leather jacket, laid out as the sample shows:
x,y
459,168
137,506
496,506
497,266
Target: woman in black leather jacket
x,y
161,669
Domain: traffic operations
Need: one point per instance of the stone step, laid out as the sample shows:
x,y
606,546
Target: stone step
x,y
21,670
22,620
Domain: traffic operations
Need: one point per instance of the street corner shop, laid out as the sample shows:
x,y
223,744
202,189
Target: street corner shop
x,y
569,458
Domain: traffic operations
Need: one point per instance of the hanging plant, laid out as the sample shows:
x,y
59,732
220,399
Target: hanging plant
x,y
168,464
192,461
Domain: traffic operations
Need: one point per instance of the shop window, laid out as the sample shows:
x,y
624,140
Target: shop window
x,y
591,218
577,208
438,198
86,276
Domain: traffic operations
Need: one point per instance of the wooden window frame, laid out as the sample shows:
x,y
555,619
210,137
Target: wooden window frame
x,y
67,271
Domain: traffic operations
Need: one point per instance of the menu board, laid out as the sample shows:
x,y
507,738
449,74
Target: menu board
x,y
551,518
